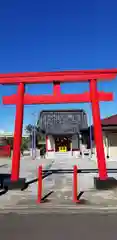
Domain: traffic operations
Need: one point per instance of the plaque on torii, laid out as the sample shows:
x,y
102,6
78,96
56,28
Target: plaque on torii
x,y
93,96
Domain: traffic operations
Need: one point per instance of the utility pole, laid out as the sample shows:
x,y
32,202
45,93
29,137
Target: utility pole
x,y
34,137
90,138
90,135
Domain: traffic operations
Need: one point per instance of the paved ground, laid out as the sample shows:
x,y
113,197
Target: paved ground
x,y
58,226
59,218
61,185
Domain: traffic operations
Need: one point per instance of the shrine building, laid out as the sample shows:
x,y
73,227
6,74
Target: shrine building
x,y
64,131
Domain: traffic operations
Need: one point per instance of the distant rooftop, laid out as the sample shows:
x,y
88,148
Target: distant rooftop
x,y
109,121
10,134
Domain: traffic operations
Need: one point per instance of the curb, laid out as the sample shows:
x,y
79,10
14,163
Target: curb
x,y
25,209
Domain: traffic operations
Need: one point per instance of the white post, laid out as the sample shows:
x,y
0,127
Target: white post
x,y
34,136
71,146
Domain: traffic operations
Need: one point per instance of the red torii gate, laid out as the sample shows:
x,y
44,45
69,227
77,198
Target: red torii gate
x,y
94,96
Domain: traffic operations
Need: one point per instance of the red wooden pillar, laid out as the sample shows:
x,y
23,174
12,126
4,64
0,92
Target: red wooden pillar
x,y
75,185
18,133
98,130
56,88
39,197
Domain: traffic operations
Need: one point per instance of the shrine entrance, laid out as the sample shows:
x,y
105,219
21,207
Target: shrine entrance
x,y
62,144
93,96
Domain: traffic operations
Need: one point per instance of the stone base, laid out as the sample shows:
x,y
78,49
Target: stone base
x,y
12,185
109,183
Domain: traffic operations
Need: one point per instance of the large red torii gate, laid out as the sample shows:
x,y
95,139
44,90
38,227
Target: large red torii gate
x,y
94,96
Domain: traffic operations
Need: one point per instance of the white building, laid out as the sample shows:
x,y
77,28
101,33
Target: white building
x,y
4,134
109,130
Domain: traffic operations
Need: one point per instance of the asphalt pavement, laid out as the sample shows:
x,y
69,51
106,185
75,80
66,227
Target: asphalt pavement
x,y
93,226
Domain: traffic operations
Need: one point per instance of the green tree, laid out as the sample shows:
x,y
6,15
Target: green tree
x,y
29,129
10,142
25,144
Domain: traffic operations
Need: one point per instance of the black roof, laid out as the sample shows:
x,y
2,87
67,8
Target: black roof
x,y
64,110
60,124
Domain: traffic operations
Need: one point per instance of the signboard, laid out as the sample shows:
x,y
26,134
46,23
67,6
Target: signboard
x,y
63,149
63,122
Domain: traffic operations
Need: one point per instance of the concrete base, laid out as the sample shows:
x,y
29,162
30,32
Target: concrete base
x,y
109,183
11,185
4,176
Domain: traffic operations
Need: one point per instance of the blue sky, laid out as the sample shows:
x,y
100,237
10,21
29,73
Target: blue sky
x,y
57,35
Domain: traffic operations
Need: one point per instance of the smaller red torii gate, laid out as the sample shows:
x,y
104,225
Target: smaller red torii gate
x,y
94,96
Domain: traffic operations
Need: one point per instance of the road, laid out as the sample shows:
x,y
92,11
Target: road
x,y
58,226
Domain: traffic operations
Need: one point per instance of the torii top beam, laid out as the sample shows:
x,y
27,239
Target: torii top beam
x,y
61,76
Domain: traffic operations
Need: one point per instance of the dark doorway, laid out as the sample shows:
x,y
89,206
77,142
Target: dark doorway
x,y
62,144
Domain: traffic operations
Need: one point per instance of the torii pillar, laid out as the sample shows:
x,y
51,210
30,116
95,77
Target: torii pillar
x,y
103,181
18,132
17,182
98,130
